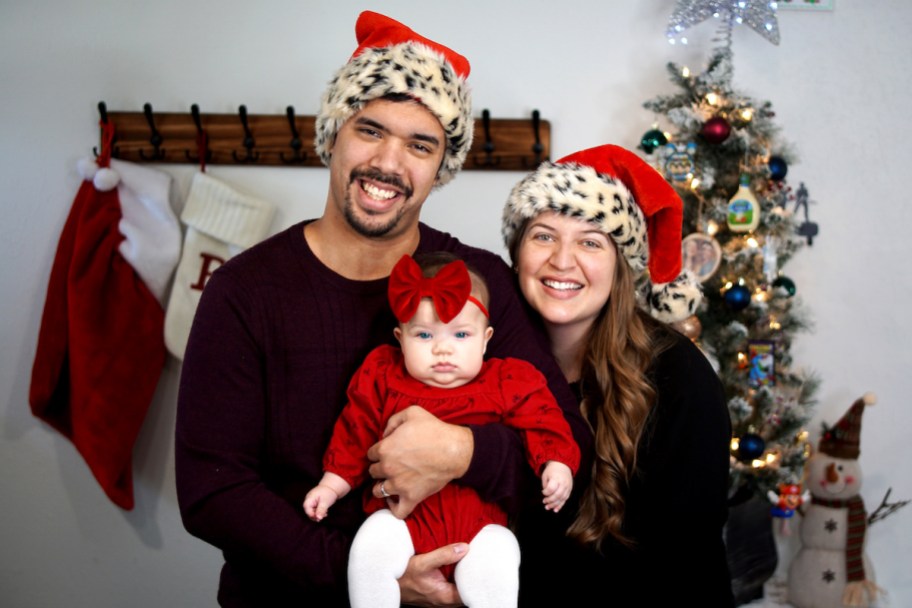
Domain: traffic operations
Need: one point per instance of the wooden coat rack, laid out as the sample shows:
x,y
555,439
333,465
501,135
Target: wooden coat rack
x,y
287,140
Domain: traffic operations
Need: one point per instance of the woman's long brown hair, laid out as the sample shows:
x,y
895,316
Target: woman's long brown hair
x,y
617,399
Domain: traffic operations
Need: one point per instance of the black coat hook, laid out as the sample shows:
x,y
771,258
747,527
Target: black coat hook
x,y
537,147
249,143
203,154
195,112
103,113
296,145
489,159
155,138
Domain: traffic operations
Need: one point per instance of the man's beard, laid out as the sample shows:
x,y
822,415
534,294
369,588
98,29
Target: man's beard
x,y
359,225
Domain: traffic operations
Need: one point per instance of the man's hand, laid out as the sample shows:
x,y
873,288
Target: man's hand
x,y
424,585
417,456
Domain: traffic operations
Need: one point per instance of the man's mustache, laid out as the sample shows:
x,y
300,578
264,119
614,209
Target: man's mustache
x,y
379,176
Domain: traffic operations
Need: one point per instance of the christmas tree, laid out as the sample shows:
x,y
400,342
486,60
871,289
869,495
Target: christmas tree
x,y
723,155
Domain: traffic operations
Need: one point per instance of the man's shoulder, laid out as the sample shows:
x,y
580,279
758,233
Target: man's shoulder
x,y
264,254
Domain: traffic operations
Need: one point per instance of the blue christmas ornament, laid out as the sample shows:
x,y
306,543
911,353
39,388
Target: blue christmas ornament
x,y
750,447
738,297
778,168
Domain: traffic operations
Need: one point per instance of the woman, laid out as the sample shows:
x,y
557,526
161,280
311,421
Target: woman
x,y
646,525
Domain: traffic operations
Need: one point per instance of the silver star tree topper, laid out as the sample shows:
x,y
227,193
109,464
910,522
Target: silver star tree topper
x,y
758,15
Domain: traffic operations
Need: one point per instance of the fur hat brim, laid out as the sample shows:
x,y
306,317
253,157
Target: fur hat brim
x,y
411,67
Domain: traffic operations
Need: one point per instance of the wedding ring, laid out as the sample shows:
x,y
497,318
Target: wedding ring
x,y
383,491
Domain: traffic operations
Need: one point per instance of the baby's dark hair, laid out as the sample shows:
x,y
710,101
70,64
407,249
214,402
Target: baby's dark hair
x,y
432,261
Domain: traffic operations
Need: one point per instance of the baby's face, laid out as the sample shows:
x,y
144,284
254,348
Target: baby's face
x,y
446,355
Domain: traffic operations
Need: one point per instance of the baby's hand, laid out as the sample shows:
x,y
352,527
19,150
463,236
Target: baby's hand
x,y
318,501
557,481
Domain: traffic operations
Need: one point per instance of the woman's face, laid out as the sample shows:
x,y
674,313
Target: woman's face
x,y
566,269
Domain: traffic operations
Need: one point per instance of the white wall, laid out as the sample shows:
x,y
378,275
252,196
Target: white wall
x,y
838,81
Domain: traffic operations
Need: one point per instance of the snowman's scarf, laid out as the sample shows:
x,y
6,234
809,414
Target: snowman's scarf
x,y
857,524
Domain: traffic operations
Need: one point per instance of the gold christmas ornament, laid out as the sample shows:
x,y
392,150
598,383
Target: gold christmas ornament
x,y
690,327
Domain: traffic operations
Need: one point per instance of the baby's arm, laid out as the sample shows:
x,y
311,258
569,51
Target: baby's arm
x,y
330,489
557,481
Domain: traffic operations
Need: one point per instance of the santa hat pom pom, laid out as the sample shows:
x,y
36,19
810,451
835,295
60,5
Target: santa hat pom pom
x,y
106,179
675,300
87,168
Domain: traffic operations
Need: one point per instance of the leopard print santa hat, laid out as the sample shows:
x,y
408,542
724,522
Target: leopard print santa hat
x,y
392,59
629,201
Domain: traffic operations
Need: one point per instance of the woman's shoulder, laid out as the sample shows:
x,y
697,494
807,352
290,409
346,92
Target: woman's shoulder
x,y
683,375
681,359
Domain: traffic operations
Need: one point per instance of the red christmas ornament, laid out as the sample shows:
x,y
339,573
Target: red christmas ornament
x,y
715,130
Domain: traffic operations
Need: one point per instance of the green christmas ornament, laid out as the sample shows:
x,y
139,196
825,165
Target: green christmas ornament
x,y
784,284
652,139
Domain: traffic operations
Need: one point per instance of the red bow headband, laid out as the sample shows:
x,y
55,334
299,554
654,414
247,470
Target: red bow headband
x,y
450,289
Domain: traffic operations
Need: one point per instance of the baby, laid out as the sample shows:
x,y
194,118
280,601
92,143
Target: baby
x,y
443,332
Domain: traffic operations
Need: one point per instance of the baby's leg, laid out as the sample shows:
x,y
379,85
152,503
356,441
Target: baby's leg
x,y
378,557
488,576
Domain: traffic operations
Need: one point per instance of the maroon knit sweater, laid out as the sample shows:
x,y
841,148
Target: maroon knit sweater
x,y
276,338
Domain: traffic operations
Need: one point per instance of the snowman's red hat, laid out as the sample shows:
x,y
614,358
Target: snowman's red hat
x,y
843,439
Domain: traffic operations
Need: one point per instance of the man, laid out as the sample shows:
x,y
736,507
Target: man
x,y
281,328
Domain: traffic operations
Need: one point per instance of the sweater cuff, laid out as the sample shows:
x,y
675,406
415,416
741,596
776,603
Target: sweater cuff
x,y
498,469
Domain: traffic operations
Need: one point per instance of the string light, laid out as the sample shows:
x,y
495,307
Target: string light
x,y
747,114
770,459
712,99
685,72
712,228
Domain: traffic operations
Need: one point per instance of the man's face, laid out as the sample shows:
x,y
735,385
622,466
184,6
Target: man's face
x,y
384,163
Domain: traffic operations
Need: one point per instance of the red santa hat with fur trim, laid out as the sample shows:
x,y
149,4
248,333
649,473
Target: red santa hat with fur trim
x,y
101,347
629,201
392,59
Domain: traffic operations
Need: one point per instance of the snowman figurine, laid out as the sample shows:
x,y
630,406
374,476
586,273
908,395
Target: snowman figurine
x,y
831,569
